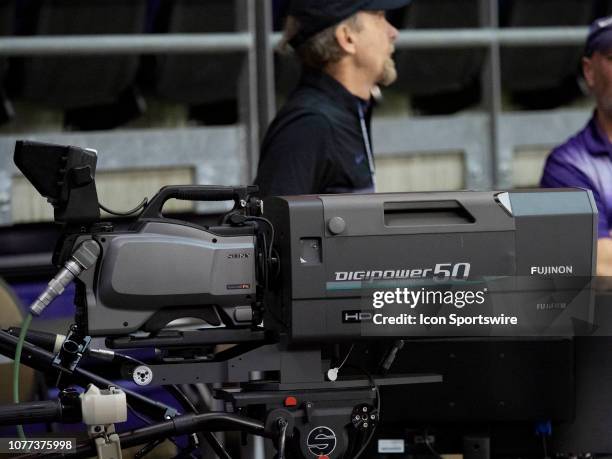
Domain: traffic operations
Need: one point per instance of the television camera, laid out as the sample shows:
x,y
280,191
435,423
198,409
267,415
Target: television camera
x,y
268,303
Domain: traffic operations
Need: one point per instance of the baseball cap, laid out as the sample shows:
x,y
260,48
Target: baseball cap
x,y
600,36
317,15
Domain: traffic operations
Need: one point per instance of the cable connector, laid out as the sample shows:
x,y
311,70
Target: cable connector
x,y
84,257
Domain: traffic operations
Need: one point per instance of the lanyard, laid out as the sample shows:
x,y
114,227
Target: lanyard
x,y
366,141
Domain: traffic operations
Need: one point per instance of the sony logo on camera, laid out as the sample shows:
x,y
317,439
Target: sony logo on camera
x,y
237,255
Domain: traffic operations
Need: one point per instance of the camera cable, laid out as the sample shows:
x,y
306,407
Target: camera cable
x,y
129,213
16,363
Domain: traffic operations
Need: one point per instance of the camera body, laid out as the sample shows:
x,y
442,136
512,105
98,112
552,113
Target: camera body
x,y
162,271
287,280
336,250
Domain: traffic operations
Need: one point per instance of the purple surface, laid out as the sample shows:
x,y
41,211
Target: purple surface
x,y
585,161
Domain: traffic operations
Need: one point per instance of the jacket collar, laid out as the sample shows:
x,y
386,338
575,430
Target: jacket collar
x,y
333,88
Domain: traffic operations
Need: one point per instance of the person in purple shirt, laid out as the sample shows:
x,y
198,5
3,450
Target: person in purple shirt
x,y
585,160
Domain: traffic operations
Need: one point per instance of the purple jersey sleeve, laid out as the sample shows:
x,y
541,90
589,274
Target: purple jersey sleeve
x,y
559,172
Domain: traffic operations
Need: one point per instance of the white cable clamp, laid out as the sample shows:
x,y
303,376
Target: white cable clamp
x,y
100,407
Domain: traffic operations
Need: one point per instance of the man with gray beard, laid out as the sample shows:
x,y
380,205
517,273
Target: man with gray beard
x,y
320,140
585,160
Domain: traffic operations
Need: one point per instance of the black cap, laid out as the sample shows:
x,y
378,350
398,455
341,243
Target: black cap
x,y
600,36
317,15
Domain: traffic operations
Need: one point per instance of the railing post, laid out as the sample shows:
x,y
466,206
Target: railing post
x,y
265,63
247,89
491,86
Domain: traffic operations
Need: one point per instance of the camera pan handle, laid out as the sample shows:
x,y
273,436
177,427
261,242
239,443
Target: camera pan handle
x,y
195,193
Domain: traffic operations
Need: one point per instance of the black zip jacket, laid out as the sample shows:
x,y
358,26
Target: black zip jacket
x,y
316,144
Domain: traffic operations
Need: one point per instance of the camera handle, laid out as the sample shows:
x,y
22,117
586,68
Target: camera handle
x,y
239,195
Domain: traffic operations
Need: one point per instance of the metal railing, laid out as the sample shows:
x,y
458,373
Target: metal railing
x,y
484,37
258,42
126,44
